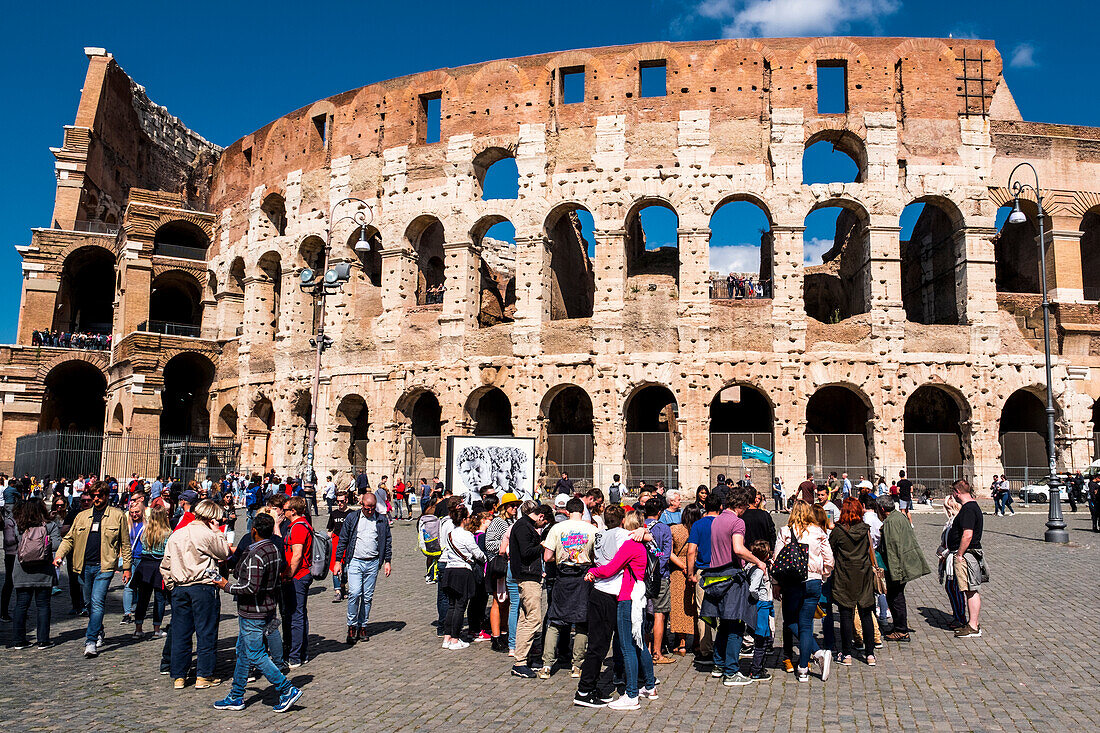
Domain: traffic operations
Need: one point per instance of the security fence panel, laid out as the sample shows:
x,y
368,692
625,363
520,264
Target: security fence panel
x,y
649,457
570,453
726,459
933,459
1024,454
58,454
840,452
423,457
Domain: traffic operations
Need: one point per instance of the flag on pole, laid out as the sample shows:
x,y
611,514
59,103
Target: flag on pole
x,y
755,451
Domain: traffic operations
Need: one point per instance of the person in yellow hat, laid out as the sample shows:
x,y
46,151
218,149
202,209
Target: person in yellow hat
x,y
497,573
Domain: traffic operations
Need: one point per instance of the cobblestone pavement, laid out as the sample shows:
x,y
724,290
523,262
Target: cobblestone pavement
x,y
1032,670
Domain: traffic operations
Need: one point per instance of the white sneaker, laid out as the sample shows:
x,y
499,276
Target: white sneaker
x,y
624,703
459,644
649,693
446,645
100,641
90,650
824,657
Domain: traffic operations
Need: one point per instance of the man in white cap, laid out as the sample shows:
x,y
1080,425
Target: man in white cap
x,y
560,513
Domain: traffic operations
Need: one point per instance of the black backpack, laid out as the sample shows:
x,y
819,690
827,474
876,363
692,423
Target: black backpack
x,y
790,566
652,576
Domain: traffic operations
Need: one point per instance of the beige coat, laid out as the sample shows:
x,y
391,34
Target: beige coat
x,y
114,539
192,555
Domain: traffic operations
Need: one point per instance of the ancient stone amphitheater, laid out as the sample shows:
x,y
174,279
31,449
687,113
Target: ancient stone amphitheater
x,y
616,355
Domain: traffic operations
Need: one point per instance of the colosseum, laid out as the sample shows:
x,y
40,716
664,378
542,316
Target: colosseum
x,y
162,304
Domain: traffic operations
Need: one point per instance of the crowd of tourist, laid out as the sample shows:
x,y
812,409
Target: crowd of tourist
x,y
741,287
558,586
69,340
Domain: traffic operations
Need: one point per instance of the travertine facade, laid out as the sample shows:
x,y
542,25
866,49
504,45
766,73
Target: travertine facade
x,y
928,121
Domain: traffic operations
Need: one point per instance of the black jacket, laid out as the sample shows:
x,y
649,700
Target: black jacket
x,y
345,548
525,550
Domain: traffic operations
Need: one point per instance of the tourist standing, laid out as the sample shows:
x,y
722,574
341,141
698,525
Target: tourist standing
x,y
36,537
964,541
459,582
568,547
904,563
525,553
366,548
149,579
336,518
298,544
681,589
96,540
698,560
853,579
800,596
947,568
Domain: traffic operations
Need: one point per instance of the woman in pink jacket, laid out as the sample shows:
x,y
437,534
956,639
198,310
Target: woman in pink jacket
x,y
628,567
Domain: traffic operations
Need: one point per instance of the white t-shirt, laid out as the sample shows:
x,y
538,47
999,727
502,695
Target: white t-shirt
x,y
607,544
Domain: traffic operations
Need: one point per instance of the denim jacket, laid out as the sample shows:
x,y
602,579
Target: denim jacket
x,y
345,548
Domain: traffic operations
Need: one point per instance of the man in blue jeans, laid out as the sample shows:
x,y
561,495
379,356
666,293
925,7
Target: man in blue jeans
x,y
298,544
96,540
365,547
256,589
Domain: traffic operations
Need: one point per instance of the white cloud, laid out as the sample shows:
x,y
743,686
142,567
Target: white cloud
x,y
813,249
746,18
735,258
1023,56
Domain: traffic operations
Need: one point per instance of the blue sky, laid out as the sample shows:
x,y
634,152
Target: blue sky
x,y
227,69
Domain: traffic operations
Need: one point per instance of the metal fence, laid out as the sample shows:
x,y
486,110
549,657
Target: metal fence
x,y
180,251
569,453
67,454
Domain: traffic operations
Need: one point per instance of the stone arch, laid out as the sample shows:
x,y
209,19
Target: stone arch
x,y
490,411
74,396
421,415
310,252
175,303
840,287
370,261
235,282
496,270
843,141
425,236
184,396
724,218
1022,434
258,432
1016,250
273,219
741,412
641,259
652,435
227,422
832,48
181,238
933,261
572,276
118,420
566,416
936,448
86,295
489,158
839,430
269,280
352,426
1090,253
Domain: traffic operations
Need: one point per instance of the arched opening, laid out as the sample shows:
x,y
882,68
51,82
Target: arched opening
x,y
184,397
933,437
426,237
497,174
1023,437
118,420
74,398
740,414
227,422
370,260
175,304
259,427
181,239
85,298
837,249
652,242
742,251
834,156
652,437
569,236
932,261
424,416
352,428
838,432
272,219
496,238
569,434
1016,250
491,412
1090,255
235,283
270,293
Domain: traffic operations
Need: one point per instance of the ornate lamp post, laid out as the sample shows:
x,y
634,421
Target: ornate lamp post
x,y
1056,524
319,286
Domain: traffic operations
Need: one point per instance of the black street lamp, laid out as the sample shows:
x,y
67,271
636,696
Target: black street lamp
x,y
1056,524
319,286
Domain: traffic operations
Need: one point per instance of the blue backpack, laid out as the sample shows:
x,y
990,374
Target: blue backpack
x,y
252,497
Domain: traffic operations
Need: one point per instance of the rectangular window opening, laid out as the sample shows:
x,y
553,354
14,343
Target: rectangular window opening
x,y
832,87
652,77
248,155
572,85
320,122
431,112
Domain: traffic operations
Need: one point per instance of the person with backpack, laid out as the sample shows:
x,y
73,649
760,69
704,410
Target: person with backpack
x,y
568,552
615,490
365,547
660,548
35,538
336,517
803,559
298,544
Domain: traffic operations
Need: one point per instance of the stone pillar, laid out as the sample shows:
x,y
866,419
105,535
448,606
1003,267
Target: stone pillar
x,y
608,446
976,288
398,293
788,306
137,278
610,280
230,314
888,423
694,306
986,447
36,306
533,292
461,300
789,427
884,289
693,452
1065,282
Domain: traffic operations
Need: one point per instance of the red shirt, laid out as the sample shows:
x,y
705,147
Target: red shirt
x,y
399,490
300,534
185,519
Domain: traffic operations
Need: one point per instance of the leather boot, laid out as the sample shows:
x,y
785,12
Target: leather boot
x,y
353,635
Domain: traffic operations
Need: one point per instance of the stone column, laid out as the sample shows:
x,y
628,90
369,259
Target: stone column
x,y
610,280
36,307
788,306
461,300
789,426
694,306
608,443
533,290
976,289
884,289
888,423
398,294
1065,283
693,452
137,279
